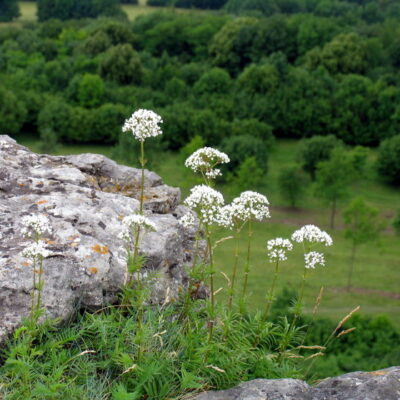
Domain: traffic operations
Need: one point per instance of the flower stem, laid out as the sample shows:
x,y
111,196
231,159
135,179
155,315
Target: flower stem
x,y
271,292
211,265
235,265
247,268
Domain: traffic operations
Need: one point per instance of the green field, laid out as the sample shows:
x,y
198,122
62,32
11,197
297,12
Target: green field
x,y
377,270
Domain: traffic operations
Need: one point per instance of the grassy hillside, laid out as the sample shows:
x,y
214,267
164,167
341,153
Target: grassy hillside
x,y
377,272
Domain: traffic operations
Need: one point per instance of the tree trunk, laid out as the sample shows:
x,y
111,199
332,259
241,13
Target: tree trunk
x,y
350,276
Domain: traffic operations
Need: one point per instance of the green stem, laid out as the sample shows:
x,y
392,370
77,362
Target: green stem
x,y
271,292
247,269
235,265
211,265
142,164
39,296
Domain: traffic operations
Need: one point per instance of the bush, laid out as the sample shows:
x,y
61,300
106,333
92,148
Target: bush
x,y
75,9
315,150
12,112
121,64
9,10
292,183
388,163
242,147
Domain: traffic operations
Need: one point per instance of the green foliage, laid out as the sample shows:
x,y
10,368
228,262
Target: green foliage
x,y
248,176
332,179
315,150
9,10
362,222
396,223
74,9
242,147
388,163
48,141
121,64
13,112
90,90
293,183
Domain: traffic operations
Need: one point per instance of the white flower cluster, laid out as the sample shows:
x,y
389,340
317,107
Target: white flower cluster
x,y
188,220
131,222
277,249
250,205
205,159
143,124
311,234
207,202
35,225
314,258
35,251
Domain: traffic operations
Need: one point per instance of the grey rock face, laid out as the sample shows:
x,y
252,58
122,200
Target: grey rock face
x,y
377,385
85,197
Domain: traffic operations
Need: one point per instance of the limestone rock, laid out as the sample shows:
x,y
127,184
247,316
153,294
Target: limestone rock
x,y
85,197
377,385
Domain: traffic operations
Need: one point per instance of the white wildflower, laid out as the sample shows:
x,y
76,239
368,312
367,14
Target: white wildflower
x,y
206,202
35,251
277,249
314,258
143,124
250,205
35,225
311,234
188,220
225,216
205,160
132,222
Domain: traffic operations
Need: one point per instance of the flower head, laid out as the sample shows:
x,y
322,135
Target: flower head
x,y
35,251
132,222
311,234
204,160
188,220
206,202
250,205
277,249
314,258
143,124
35,225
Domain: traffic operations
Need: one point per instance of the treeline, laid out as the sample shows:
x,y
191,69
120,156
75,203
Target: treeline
x,y
228,80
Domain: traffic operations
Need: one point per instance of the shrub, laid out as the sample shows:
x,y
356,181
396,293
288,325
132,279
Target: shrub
x,y
9,10
292,183
12,112
241,147
388,163
121,64
315,150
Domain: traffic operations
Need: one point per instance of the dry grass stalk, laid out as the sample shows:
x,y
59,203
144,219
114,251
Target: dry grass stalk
x,y
318,301
311,347
346,318
346,332
319,354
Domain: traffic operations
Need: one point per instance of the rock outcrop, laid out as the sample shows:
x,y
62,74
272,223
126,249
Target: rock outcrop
x,y
377,385
85,197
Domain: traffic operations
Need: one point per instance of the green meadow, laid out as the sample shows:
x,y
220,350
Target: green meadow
x,y
377,271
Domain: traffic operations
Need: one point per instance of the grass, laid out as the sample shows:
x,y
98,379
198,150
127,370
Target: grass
x,y
376,269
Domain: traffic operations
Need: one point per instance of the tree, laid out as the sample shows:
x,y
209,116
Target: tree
x,y
388,163
91,90
332,179
12,112
75,9
362,226
121,64
316,149
249,175
9,10
293,183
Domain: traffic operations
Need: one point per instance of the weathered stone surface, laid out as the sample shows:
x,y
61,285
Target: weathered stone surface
x,y
85,198
377,385
262,389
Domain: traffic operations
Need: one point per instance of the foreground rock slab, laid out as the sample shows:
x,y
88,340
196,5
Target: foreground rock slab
x,y
85,197
378,385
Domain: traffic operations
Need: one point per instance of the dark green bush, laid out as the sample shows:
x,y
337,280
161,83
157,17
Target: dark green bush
x,y
388,163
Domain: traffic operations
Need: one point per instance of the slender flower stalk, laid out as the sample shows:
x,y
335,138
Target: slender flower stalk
x,y
277,249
